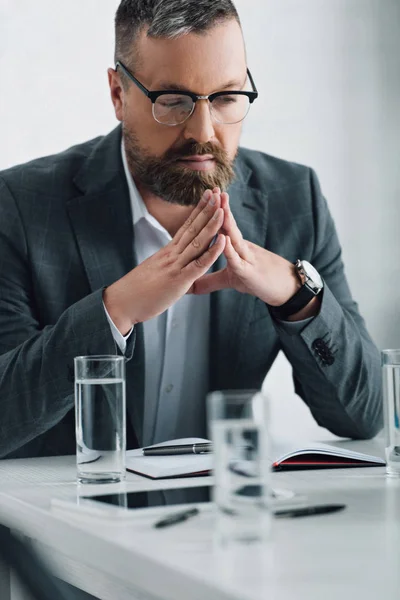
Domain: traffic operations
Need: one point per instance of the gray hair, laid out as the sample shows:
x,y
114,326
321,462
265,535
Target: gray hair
x,y
166,19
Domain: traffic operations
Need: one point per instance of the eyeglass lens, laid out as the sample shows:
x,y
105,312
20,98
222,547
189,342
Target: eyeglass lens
x,y
173,109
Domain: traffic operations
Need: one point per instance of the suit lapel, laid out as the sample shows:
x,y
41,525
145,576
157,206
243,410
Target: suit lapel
x,y
231,311
103,228
101,215
101,218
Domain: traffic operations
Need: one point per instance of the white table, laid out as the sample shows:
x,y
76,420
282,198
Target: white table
x,y
354,554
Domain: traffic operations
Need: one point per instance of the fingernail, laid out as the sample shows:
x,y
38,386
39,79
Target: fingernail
x,y
207,195
213,200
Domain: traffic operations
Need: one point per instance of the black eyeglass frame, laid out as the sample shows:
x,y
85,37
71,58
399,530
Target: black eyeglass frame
x,y
195,97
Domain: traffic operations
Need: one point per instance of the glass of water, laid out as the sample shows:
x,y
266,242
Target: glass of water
x,y
238,426
100,418
391,409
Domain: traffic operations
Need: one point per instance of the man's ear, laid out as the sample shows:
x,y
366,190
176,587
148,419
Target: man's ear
x,y
117,92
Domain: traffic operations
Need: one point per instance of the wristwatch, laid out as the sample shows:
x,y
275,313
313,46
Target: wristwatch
x,y
311,286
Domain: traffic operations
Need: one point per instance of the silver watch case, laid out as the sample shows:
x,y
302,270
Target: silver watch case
x,y
309,276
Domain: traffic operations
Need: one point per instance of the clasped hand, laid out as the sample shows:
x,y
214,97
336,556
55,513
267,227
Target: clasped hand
x,y
250,269
181,267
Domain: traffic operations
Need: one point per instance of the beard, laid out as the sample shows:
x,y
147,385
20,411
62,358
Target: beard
x,y
169,180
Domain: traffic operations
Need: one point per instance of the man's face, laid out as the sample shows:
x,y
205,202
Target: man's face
x,y
178,163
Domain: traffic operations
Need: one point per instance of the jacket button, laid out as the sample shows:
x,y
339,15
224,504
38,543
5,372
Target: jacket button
x,y
318,344
323,352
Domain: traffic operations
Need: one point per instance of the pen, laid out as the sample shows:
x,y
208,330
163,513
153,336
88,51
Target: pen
x,y
177,517
178,449
307,511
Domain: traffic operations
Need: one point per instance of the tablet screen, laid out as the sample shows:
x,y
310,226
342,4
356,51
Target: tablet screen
x,y
162,497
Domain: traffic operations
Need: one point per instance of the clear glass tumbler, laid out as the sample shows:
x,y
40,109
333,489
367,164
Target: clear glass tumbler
x,y
238,425
391,409
100,418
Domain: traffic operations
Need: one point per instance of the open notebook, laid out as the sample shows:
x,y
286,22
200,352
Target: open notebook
x,y
283,456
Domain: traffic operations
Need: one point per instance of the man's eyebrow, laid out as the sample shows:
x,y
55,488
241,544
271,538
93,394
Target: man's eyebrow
x,y
235,84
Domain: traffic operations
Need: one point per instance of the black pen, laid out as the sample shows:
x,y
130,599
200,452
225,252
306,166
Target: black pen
x,y
177,517
198,448
308,511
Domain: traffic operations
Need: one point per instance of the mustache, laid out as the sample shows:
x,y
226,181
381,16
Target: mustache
x,y
194,148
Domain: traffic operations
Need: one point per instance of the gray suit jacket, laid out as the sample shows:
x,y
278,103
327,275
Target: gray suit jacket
x,y
66,232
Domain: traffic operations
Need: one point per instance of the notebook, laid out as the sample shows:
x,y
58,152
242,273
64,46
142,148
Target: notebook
x,y
284,456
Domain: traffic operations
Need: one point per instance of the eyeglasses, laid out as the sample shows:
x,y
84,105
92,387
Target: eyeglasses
x,y
172,107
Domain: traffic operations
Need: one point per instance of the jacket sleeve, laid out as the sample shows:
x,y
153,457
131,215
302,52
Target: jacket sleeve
x,y
344,396
37,363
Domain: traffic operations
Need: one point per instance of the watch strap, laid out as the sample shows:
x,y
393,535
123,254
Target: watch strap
x,y
301,298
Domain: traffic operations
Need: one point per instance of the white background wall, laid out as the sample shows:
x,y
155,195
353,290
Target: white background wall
x,y
328,73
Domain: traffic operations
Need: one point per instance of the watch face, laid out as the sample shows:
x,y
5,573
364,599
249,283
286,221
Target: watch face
x,y
312,274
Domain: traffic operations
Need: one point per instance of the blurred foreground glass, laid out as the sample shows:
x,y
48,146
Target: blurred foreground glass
x,y
238,426
391,409
100,418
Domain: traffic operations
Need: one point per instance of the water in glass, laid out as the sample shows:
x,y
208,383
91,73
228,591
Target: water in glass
x,y
391,393
242,480
100,429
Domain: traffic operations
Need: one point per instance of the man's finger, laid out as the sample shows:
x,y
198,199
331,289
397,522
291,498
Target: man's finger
x,y
231,255
193,215
195,248
194,229
200,265
211,282
230,227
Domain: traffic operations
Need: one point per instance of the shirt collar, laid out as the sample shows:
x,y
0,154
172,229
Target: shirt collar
x,y
139,210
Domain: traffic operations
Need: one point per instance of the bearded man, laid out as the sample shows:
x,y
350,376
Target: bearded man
x,y
165,241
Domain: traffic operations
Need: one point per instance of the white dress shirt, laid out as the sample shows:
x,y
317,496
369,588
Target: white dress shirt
x,y
176,344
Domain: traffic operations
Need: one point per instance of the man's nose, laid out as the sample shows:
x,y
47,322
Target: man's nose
x,y
200,126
